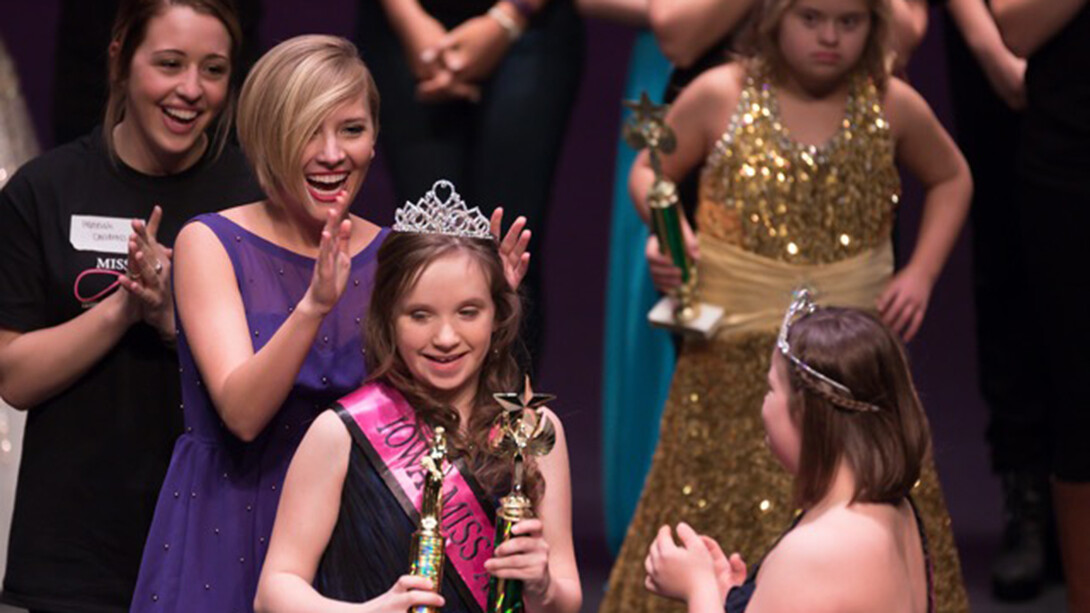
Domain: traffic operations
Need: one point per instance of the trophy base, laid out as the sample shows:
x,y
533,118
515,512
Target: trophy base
x,y
704,324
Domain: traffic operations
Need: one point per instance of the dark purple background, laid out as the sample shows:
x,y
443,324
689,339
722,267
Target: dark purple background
x,y
574,259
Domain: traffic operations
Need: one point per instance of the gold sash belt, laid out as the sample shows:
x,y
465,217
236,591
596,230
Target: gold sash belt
x,y
754,291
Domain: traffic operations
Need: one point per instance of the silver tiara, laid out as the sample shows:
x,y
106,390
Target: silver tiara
x,y
802,304
433,214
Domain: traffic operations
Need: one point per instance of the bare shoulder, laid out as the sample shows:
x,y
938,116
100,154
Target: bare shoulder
x,y
720,85
904,106
835,563
558,425
557,458
197,240
328,436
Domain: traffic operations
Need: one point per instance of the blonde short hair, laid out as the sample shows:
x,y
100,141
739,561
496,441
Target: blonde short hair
x,y
287,95
762,39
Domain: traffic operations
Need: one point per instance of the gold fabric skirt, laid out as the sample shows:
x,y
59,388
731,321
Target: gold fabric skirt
x,y
712,468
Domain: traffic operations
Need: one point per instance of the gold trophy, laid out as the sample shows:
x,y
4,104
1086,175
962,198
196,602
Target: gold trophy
x,y
522,429
681,311
426,552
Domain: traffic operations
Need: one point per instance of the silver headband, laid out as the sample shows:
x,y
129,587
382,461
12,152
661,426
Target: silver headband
x,y
802,304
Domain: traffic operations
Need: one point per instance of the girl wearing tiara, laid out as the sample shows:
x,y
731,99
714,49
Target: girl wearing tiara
x,y
841,415
270,297
799,187
439,337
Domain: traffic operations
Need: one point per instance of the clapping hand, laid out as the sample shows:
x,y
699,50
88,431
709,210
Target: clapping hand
x,y
333,264
681,572
148,278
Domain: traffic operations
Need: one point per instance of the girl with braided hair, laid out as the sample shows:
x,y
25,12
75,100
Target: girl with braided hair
x,y
842,416
799,145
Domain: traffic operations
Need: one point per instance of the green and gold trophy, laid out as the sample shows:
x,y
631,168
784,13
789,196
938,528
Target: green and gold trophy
x,y
522,429
426,553
680,311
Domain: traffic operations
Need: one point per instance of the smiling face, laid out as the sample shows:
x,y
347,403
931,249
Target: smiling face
x,y
822,40
443,327
178,82
336,158
782,433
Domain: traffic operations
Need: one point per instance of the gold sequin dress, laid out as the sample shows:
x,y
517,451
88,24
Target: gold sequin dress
x,y
773,215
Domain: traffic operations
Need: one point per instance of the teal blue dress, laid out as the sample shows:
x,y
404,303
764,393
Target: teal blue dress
x,y
638,360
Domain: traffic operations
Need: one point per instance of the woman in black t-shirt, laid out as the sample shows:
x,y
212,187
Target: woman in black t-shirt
x,y
93,363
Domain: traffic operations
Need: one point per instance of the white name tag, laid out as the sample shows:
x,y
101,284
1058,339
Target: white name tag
x,y
102,234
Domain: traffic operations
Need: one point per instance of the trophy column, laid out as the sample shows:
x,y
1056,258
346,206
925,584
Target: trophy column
x,y
522,429
427,550
682,312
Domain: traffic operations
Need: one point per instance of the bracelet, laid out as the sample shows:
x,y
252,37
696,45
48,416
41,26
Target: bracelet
x,y
513,30
523,7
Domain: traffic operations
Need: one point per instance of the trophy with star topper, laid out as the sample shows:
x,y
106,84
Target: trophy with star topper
x,y
426,552
680,311
521,430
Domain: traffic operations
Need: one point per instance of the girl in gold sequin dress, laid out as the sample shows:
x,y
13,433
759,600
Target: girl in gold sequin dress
x,y
799,188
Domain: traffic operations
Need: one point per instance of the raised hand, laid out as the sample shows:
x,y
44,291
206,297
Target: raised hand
x,y
333,264
409,591
513,254
524,557
148,278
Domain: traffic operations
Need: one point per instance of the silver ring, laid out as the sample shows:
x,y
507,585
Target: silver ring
x,y
158,267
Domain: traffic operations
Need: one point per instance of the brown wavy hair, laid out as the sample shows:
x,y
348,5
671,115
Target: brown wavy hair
x,y
760,39
885,448
129,29
402,258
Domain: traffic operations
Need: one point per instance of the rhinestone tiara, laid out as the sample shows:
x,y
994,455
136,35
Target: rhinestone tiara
x,y
433,214
802,304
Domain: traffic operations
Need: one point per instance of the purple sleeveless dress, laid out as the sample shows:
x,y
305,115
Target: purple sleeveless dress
x,y
216,509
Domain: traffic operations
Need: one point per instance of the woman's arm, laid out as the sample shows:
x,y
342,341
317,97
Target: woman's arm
x,y
909,27
628,12
1005,71
248,388
1028,24
925,148
543,555
37,365
686,29
308,511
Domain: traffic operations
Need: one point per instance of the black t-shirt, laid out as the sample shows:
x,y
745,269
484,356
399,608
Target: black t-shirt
x,y
94,456
1055,148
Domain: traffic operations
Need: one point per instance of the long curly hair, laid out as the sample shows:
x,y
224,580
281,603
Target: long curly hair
x,y
402,259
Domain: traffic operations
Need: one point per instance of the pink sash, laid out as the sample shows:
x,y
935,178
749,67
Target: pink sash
x,y
389,428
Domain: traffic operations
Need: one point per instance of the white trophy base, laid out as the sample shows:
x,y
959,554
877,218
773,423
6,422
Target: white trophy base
x,y
705,324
